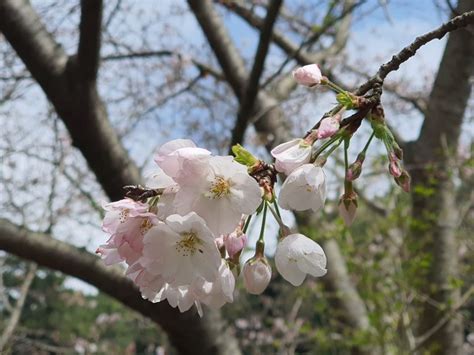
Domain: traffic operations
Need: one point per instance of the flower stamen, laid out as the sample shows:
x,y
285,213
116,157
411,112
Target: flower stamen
x,y
188,244
219,188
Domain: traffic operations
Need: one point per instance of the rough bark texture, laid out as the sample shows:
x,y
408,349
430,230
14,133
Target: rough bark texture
x,y
435,214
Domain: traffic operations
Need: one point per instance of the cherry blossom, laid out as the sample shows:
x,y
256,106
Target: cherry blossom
x,y
181,249
181,160
304,189
308,75
296,256
235,242
329,126
257,274
221,291
127,221
222,196
291,155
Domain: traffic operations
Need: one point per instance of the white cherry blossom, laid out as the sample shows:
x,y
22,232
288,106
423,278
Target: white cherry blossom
x,y
181,160
291,155
181,249
222,196
296,256
221,291
304,189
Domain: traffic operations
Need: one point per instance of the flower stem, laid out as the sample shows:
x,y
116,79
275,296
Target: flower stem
x,y
347,183
324,146
333,148
247,223
334,87
368,142
277,216
264,217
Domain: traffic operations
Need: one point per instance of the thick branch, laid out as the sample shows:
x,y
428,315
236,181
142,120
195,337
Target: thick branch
x,y
90,31
239,8
75,100
269,121
252,87
185,330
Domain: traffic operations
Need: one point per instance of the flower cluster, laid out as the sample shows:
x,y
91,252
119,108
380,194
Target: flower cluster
x,y
182,235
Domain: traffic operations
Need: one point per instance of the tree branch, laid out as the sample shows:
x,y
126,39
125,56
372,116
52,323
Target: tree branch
x,y
15,316
409,51
76,102
185,330
90,32
252,87
271,125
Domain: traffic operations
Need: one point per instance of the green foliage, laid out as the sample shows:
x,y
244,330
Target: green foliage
x,y
58,316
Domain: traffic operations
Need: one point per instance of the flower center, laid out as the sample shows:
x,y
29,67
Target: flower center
x,y
145,226
123,215
188,244
219,188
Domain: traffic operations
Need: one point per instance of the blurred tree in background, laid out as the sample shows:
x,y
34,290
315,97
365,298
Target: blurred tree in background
x,y
89,89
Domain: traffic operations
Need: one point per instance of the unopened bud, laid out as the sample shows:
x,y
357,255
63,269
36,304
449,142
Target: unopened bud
x,y
404,181
348,100
257,275
398,151
329,126
354,170
243,156
348,207
308,75
394,165
235,242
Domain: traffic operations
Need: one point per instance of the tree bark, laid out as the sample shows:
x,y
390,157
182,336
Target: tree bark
x,y
435,211
70,85
188,333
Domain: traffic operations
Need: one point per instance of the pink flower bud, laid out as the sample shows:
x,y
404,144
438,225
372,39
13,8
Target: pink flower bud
x,y
329,126
235,242
257,275
404,181
308,75
394,165
355,169
348,207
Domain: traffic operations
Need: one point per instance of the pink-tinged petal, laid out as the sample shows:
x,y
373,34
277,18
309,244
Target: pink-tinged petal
x,y
291,155
257,275
329,126
308,75
235,242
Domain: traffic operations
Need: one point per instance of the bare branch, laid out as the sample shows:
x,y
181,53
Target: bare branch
x,y
252,87
15,316
185,330
78,105
409,51
271,126
90,38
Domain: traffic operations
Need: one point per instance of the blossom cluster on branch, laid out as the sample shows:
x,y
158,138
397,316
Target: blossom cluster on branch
x,y
182,234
